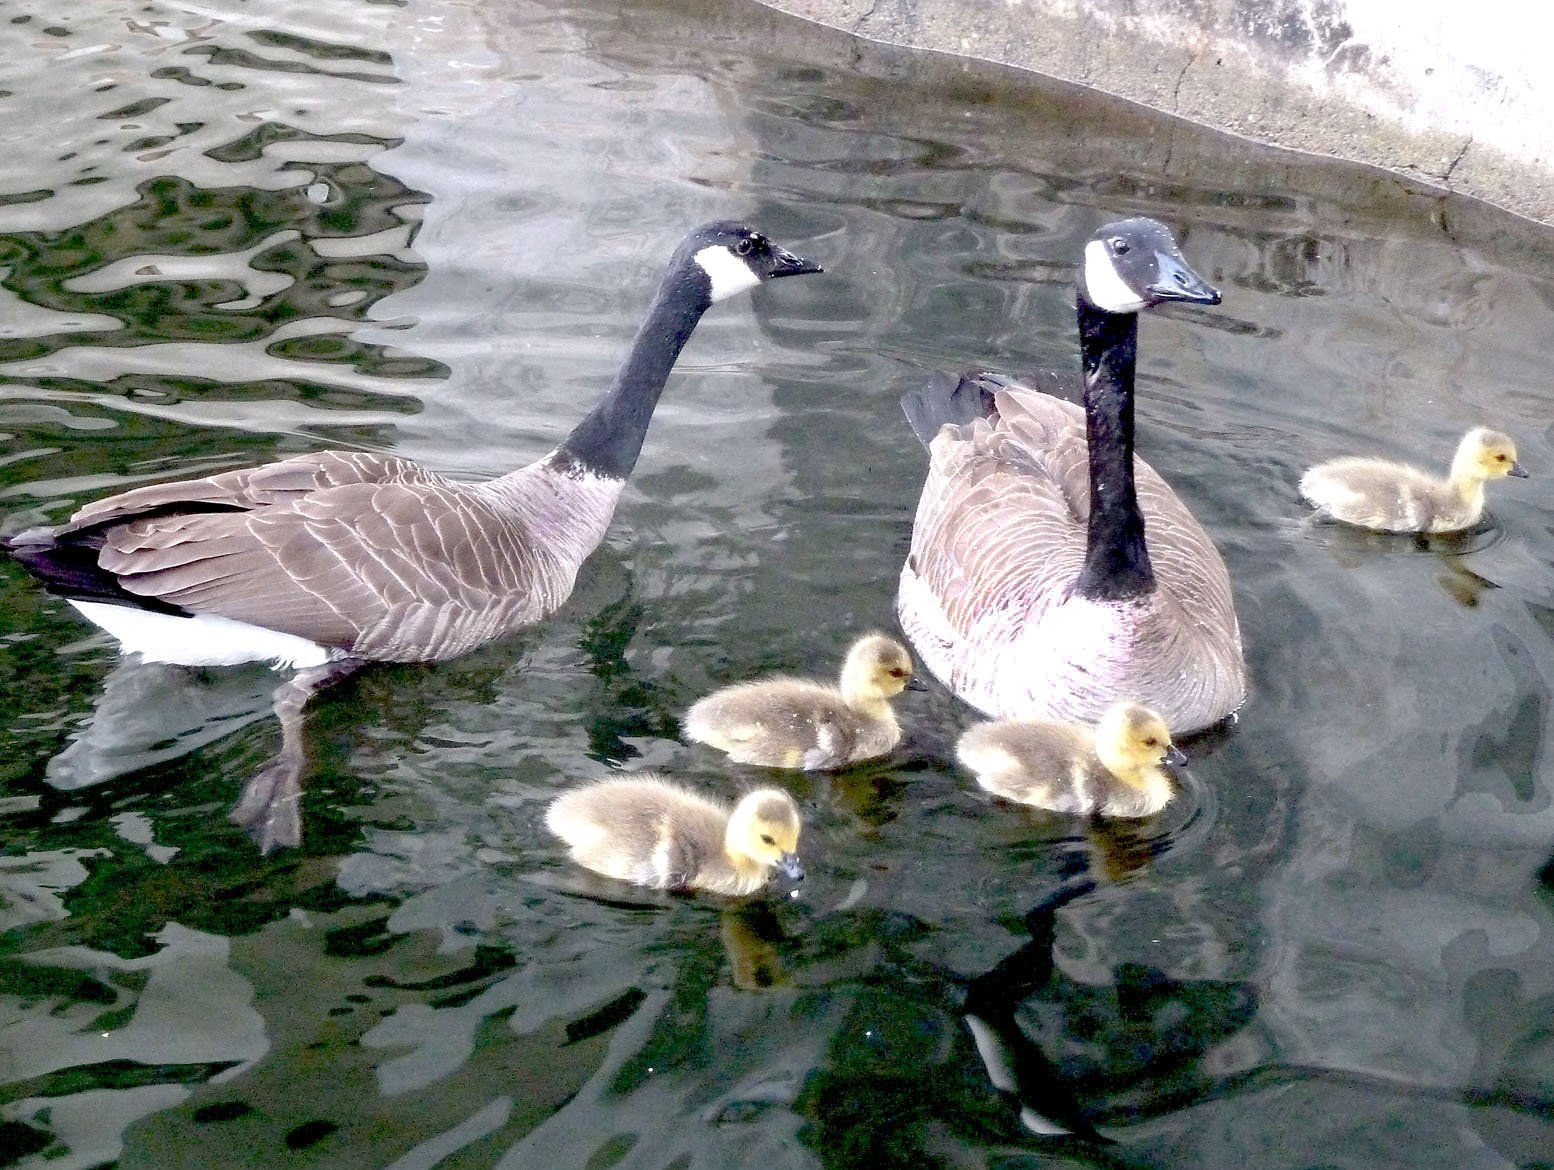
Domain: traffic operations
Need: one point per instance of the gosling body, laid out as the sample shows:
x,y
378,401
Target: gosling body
x,y
1385,496
1115,770
650,831
800,724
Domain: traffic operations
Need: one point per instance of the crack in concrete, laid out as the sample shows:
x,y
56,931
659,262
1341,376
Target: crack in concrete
x,y
1176,105
1447,176
1176,90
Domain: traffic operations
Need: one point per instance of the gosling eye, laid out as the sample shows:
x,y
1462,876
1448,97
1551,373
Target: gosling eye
x,y
1119,246
1151,742
742,248
766,839
897,672
1499,458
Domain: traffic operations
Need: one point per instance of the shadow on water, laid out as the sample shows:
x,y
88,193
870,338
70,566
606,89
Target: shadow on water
x,y
255,233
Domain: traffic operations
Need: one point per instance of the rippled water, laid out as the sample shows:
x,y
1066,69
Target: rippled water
x,y
230,232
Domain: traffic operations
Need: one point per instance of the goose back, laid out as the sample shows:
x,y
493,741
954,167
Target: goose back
x,y
998,541
370,555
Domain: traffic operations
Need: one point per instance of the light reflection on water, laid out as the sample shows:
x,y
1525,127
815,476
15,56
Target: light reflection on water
x,y
433,230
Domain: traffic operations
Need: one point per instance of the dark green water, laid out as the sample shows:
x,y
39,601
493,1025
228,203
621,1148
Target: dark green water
x,y
233,231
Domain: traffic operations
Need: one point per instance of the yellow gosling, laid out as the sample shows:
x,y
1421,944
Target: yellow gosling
x,y
1116,770
648,830
1394,497
795,723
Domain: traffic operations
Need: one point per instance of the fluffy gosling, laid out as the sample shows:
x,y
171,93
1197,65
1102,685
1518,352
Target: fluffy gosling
x,y
651,831
1394,497
1115,770
795,723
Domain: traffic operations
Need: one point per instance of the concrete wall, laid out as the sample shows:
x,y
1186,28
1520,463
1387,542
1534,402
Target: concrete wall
x,y
1457,93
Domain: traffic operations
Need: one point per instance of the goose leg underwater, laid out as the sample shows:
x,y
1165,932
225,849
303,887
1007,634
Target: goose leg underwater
x,y
1051,572
325,562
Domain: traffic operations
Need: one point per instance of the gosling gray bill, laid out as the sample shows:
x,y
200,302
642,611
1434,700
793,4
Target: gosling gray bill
x,y
1115,770
650,831
1051,572
324,562
1394,497
795,723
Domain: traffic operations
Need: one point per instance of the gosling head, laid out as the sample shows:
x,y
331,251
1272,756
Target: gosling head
x,y
1130,739
728,258
764,829
1486,454
1134,264
877,667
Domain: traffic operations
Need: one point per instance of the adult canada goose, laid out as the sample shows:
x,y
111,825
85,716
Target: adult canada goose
x,y
1030,588
1394,497
324,562
648,830
794,723
1114,770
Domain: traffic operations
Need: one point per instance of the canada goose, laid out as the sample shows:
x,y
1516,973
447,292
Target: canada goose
x,y
649,830
794,723
327,561
1030,589
1114,770
1394,497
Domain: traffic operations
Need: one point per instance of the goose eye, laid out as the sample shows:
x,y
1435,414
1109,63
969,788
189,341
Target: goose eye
x,y
766,839
1499,458
1151,742
1119,246
742,248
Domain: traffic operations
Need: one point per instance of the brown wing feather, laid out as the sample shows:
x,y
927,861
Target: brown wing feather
x,y
999,522
252,487
999,539
1035,465
363,552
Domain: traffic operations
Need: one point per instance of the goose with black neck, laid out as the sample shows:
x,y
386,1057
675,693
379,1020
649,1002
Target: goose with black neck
x,y
324,562
1052,571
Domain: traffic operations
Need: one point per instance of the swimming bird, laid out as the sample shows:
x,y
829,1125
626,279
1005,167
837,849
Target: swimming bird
x,y
795,723
327,561
1395,497
1114,770
1051,572
648,830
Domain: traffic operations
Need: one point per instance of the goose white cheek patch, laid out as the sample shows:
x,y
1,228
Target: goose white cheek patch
x,y
1105,288
728,273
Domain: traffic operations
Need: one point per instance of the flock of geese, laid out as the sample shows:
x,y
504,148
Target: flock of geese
x,y
1055,582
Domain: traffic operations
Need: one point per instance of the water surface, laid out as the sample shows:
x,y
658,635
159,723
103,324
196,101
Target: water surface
x,y
234,232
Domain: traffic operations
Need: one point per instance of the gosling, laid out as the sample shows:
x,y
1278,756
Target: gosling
x,y
648,830
1115,770
1394,497
794,723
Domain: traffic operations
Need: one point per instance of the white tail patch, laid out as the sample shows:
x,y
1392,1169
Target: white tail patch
x,y
729,274
202,640
1104,285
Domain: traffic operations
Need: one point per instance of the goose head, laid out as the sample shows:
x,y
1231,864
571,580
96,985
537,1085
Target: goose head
x,y
1130,738
728,258
1486,454
763,829
1134,264
877,668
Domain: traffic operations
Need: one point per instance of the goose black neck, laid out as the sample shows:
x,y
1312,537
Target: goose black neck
x,y
1116,557
609,438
